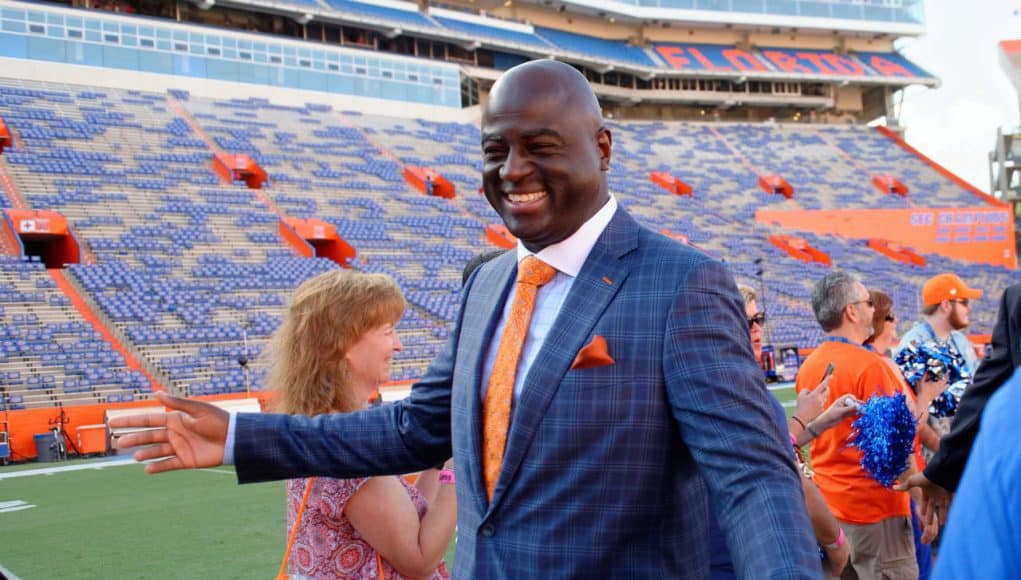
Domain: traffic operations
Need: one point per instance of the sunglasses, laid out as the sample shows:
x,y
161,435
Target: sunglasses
x,y
890,318
869,302
963,302
759,318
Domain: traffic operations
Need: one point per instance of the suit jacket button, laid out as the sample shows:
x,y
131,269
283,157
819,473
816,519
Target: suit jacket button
x,y
488,530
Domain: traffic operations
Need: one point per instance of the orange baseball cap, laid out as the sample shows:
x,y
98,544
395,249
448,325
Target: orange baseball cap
x,y
947,287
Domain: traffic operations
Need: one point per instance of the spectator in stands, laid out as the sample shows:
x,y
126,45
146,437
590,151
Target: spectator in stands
x,y
876,520
428,184
329,355
883,338
943,472
637,397
946,304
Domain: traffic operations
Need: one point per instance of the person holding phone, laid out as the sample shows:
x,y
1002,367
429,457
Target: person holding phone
x,y
875,519
809,411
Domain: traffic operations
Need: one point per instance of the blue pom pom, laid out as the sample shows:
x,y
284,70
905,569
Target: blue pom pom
x,y
885,433
939,360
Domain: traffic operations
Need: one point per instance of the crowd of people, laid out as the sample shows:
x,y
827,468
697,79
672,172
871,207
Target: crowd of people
x,y
601,403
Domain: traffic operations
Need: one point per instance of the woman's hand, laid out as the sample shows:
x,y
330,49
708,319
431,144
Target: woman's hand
x,y
838,557
841,409
811,403
928,390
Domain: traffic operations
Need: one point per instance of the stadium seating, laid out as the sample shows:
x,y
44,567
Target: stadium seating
x,y
191,273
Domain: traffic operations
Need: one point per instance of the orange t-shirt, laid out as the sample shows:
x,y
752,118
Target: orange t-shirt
x,y
852,495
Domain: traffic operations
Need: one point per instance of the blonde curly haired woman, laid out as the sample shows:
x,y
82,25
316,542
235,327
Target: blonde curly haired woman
x,y
330,354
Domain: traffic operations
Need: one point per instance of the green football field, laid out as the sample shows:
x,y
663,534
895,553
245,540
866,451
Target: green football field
x,y
114,521
105,519
101,518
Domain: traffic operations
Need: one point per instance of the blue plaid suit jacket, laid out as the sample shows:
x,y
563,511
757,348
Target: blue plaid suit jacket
x,y
609,471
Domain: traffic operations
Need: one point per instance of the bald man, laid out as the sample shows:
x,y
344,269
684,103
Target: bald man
x,y
635,403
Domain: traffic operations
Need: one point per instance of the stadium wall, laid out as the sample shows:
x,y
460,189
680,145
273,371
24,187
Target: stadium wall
x,y
25,424
96,40
132,80
685,32
981,234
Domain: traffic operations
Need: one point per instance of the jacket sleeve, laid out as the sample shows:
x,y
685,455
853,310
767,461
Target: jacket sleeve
x,y
725,417
947,464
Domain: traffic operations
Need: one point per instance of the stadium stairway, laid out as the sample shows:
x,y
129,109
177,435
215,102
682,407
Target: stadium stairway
x,y
89,311
10,188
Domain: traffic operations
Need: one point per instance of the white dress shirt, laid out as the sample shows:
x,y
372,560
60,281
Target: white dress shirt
x,y
567,256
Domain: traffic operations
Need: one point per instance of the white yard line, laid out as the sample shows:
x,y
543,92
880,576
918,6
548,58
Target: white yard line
x,y
84,466
14,506
63,468
8,574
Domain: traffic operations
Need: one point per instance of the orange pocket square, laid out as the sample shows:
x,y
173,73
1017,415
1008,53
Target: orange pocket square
x,y
593,354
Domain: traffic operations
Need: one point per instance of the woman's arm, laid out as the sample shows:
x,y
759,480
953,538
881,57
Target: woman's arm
x,y
428,481
842,408
827,531
385,516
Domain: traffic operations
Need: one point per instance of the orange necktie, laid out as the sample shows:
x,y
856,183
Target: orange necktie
x,y
532,273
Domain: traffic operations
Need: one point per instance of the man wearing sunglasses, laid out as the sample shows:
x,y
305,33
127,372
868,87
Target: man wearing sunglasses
x,y
946,304
874,519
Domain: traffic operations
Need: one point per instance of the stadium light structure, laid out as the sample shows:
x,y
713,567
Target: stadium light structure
x,y
1005,165
1005,158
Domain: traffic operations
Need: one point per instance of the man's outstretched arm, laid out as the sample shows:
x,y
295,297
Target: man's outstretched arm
x,y
406,436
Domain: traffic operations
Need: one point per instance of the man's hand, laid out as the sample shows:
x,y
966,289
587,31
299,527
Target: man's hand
x,y
935,502
811,403
930,527
191,436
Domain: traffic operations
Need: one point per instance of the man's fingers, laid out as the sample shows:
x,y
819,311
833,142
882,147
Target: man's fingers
x,y
168,464
142,438
147,420
181,404
928,507
154,452
929,534
906,485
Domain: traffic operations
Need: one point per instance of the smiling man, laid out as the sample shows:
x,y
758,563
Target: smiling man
x,y
598,391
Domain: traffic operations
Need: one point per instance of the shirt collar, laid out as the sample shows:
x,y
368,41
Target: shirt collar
x,y
569,255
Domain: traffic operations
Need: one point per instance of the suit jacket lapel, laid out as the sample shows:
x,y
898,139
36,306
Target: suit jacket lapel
x,y
483,310
598,282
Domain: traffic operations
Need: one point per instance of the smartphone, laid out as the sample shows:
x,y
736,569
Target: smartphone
x,y
829,370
